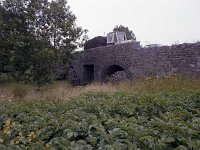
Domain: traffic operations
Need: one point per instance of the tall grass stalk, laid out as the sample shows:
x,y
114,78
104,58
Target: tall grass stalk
x,y
64,91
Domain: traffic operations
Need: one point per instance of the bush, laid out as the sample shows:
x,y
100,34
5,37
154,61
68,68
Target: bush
x,y
95,42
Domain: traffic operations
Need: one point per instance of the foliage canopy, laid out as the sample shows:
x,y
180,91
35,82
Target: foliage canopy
x,y
37,39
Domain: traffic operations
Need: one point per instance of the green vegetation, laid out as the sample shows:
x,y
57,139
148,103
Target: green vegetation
x,y
37,40
145,114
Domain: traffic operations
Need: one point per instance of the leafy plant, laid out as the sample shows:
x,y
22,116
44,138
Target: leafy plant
x,y
104,121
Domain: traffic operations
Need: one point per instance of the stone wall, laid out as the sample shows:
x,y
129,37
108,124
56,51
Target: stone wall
x,y
97,63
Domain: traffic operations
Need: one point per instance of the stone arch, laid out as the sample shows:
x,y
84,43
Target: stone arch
x,y
111,68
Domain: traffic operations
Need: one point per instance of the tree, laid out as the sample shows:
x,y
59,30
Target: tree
x,y
129,33
37,38
15,39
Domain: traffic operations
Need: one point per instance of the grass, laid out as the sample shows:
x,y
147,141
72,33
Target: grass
x,y
64,91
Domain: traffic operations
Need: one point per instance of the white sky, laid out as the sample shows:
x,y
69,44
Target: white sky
x,y
153,21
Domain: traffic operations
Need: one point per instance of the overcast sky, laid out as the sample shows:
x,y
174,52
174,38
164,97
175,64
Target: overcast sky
x,y
153,21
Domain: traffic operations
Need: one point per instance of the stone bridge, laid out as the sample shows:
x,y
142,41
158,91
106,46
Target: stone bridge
x,y
98,63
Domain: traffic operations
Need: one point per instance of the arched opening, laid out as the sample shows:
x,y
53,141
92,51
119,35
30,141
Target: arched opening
x,y
111,70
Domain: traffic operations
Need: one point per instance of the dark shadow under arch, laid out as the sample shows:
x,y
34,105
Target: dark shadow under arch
x,y
111,70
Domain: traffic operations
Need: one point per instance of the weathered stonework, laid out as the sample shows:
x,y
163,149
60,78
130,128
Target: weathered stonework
x,y
98,63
